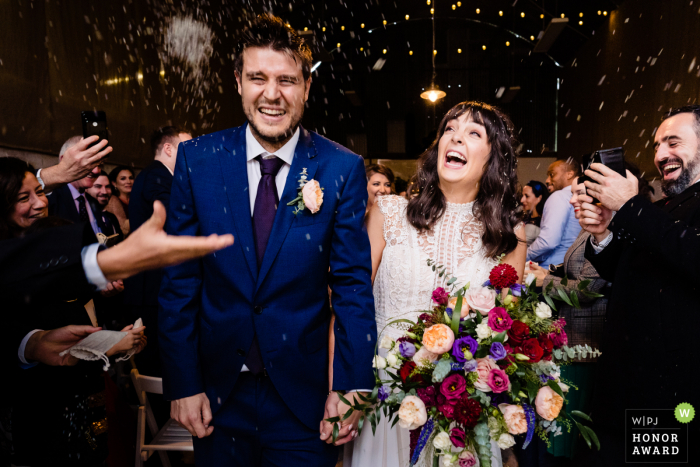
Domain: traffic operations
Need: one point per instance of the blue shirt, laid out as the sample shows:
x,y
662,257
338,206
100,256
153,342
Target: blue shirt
x,y
559,228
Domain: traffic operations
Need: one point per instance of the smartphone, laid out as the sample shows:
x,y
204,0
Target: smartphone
x,y
94,123
611,158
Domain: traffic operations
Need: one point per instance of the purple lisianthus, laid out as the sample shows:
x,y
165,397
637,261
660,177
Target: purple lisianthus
x,y
497,351
487,284
383,393
517,289
462,344
407,349
545,378
440,296
500,398
470,365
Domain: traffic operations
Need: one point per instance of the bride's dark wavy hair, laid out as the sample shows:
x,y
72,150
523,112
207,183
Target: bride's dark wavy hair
x,y
496,204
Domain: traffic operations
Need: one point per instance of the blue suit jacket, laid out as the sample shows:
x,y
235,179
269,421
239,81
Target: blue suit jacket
x,y
210,308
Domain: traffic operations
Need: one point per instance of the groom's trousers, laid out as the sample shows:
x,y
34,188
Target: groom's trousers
x,y
255,428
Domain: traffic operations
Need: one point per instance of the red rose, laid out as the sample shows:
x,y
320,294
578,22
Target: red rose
x,y
518,332
406,370
532,349
503,276
547,346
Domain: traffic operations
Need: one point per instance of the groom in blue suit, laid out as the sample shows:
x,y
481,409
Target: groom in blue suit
x,y
244,333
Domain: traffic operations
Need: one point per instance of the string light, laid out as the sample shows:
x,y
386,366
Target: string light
x,y
580,15
338,46
342,28
532,38
580,23
542,16
362,26
500,13
562,15
459,4
306,29
410,52
599,12
323,29
428,2
459,51
522,14
507,44
384,22
361,49
478,11
384,51
454,7
434,52
432,11
605,13
407,17
483,47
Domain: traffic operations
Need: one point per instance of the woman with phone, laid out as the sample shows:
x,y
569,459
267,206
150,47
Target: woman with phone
x,y
122,178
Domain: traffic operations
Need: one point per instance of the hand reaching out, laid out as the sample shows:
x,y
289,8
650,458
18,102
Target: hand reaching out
x,y
134,340
112,289
45,346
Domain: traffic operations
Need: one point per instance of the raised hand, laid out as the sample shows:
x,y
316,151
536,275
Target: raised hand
x,y
149,247
76,163
194,414
611,189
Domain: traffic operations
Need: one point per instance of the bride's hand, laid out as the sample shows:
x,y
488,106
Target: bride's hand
x,y
352,421
134,339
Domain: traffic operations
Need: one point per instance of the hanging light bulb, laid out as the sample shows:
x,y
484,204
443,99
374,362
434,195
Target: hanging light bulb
x,y
478,11
454,7
407,17
433,93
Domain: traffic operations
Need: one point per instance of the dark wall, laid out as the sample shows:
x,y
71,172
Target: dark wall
x,y
645,60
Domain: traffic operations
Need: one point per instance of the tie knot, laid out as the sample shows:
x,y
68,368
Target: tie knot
x,y
270,166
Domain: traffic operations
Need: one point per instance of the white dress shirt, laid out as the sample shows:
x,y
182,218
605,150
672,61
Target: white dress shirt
x,y
254,149
76,194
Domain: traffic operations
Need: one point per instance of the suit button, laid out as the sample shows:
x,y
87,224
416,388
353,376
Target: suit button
x,y
44,265
54,262
258,310
241,352
63,260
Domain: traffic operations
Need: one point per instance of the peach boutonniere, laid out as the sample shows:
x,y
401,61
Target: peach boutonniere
x,y
310,195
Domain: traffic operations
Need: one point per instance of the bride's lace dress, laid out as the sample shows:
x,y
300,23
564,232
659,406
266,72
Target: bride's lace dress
x,y
403,285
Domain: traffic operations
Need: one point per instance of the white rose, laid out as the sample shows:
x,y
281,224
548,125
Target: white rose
x,y
392,360
483,331
505,441
530,278
564,387
543,311
386,343
379,362
442,441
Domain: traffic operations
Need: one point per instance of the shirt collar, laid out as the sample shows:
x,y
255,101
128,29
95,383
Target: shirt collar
x,y
254,148
74,191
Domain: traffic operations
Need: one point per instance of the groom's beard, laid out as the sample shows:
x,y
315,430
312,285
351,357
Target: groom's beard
x,y
279,137
684,180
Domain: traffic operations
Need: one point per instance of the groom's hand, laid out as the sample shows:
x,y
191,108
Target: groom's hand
x,y
194,414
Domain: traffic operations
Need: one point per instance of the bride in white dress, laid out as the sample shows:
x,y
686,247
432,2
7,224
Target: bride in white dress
x,y
464,218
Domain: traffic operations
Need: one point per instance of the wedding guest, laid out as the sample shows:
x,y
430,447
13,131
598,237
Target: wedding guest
x,y
101,192
122,179
583,326
153,183
71,201
379,180
559,227
534,197
69,418
665,236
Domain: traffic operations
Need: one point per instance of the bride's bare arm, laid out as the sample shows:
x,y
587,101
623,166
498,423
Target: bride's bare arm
x,y
375,231
516,258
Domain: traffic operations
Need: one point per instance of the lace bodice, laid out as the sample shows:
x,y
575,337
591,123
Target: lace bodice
x,y
404,282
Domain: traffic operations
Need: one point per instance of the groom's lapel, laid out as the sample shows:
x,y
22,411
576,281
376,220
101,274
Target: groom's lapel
x,y
235,175
304,155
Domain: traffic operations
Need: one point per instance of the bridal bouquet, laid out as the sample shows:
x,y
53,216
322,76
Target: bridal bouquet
x,y
483,364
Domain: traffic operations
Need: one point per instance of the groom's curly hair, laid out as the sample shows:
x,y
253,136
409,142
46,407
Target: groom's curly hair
x,y
271,32
496,204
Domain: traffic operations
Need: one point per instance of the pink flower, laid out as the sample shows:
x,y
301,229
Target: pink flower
x,y
548,403
438,338
457,436
515,419
499,320
440,296
558,338
483,369
412,413
424,355
498,381
452,387
312,195
482,299
468,459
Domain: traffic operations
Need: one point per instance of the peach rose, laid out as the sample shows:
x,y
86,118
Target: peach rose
x,y
548,403
464,312
424,354
438,338
313,196
482,299
514,416
483,368
412,413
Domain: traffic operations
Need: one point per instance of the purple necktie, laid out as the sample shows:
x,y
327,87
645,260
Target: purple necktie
x,y
264,212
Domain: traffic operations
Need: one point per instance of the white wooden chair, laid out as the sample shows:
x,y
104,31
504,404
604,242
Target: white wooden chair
x,y
172,437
